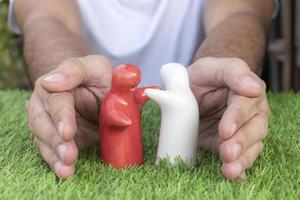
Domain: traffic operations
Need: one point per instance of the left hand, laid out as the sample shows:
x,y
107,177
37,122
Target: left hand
x,y
234,112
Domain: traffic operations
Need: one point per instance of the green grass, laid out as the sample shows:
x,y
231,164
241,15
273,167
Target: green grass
x,y
275,175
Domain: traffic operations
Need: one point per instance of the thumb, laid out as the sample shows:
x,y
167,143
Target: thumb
x,y
233,73
94,70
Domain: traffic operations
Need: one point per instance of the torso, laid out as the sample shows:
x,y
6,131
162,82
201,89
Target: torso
x,y
121,146
145,33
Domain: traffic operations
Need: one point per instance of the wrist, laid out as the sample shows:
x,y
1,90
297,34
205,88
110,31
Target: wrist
x,y
243,37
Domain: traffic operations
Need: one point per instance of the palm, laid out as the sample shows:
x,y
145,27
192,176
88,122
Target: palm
x,y
87,101
212,104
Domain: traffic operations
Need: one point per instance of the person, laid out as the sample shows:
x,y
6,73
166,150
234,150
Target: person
x,y
71,47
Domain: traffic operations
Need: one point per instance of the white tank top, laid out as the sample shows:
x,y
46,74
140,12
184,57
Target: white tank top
x,y
147,33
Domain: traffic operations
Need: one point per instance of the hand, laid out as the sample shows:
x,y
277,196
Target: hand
x,y
233,112
63,110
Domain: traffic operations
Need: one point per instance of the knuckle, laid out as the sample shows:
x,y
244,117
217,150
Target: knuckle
x,y
104,60
239,62
205,61
58,101
264,107
49,101
238,65
73,64
54,98
97,60
263,85
34,115
70,61
54,141
237,107
242,144
37,82
262,125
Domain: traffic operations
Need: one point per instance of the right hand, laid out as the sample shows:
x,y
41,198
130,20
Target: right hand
x,y
63,110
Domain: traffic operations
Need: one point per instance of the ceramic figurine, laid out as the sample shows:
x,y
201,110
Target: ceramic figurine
x,y
120,119
180,115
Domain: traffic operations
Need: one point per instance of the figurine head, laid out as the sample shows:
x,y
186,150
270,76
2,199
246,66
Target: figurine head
x,y
174,76
126,77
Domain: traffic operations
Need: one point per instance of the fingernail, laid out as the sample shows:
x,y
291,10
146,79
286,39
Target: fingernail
x,y
61,151
236,150
54,78
251,81
61,126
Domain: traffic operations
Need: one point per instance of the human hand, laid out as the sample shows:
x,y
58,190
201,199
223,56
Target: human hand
x,y
63,110
234,112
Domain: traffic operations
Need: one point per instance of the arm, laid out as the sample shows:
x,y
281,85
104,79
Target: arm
x,y
162,97
141,97
68,85
236,28
225,85
114,115
50,35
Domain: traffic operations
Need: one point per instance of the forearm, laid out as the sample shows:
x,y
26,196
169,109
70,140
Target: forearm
x,y
242,35
47,43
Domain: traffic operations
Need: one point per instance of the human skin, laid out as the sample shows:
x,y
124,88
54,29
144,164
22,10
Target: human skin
x,y
232,100
69,82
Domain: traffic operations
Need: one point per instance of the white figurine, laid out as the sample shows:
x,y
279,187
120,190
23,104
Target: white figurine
x,y
180,115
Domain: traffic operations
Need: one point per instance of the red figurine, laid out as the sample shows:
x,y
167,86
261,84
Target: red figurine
x,y
120,119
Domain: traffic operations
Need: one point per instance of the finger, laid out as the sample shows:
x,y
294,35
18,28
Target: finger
x,y
252,132
67,152
41,125
235,169
60,107
226,72
242,177
93,70
61,170
239,111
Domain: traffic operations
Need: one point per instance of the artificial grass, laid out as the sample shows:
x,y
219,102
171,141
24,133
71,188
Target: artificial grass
x,y
24,175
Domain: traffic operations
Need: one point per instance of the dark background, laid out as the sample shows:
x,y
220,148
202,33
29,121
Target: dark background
x,y
281,69
282,63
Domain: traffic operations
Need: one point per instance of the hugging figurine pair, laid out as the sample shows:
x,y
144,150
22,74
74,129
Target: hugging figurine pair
x,y
120,117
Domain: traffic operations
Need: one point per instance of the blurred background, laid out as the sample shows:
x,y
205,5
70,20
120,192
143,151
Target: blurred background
x,y
12,72
281,69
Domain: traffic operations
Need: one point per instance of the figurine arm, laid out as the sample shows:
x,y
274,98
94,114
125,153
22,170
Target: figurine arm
x,y
116,117
141,97
161,97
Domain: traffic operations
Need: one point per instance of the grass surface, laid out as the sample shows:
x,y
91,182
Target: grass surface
x,y
275,175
